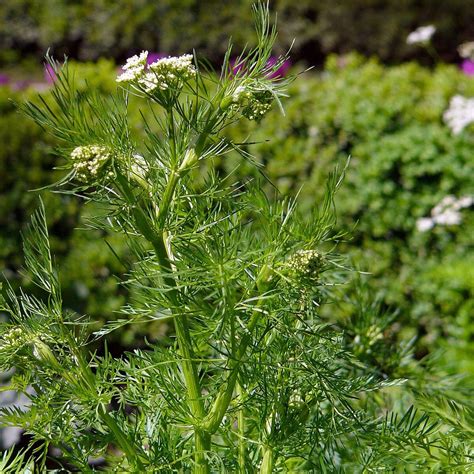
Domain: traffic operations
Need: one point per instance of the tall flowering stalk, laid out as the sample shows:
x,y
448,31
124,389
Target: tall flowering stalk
x,y
255,378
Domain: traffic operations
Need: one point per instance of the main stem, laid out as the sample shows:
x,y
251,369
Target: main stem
x,y
155,234
268,461
190,374
225,395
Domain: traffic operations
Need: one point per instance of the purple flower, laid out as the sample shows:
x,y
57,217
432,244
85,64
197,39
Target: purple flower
x,y
235,66
467,67
4,79
281,71
21,85
152,57
49,74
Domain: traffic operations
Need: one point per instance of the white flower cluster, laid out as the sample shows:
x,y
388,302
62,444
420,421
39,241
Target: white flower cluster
x,y
459,114
134,68
422,34
254,104
466,50
90,161
447,212
170,72
306,263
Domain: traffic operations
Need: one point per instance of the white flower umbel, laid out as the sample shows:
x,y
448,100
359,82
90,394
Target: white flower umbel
x,y
459,114
422,35
134,68
90,161
171,72
446,212
466,50
424,223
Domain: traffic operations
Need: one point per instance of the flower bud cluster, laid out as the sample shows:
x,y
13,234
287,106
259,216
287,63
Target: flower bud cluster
x,y
306,264
447,212
366,341
15,338
90,161
459,114
170,72
254,104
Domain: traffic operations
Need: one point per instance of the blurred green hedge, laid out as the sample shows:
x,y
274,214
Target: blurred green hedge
x,y
404,161
88,29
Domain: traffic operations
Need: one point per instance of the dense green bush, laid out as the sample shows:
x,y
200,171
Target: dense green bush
x,y
88,30
404,161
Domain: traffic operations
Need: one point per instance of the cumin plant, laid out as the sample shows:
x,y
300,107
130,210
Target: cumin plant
x,y
252,378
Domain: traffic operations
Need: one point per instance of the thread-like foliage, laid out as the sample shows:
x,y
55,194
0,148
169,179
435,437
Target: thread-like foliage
x,y
251,377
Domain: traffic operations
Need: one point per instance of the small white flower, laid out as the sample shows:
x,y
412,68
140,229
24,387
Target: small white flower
x,y
150,82
134,68
449,217
137,61
466,50
445,203
424,223
130,76
459,114
422,34
171,72
465,201
446,212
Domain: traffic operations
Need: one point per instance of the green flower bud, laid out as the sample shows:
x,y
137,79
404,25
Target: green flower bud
x,y
189,160
91,162
306,264
43,352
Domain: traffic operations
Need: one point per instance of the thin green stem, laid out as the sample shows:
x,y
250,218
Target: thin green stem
x,y
241,430
122,441
225,395
268,461
223,399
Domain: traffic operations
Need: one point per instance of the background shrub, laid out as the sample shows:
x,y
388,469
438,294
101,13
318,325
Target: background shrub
x,y
404,162
87,30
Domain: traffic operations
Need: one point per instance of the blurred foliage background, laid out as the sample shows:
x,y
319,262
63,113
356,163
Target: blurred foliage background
x,y
383,106
87,30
